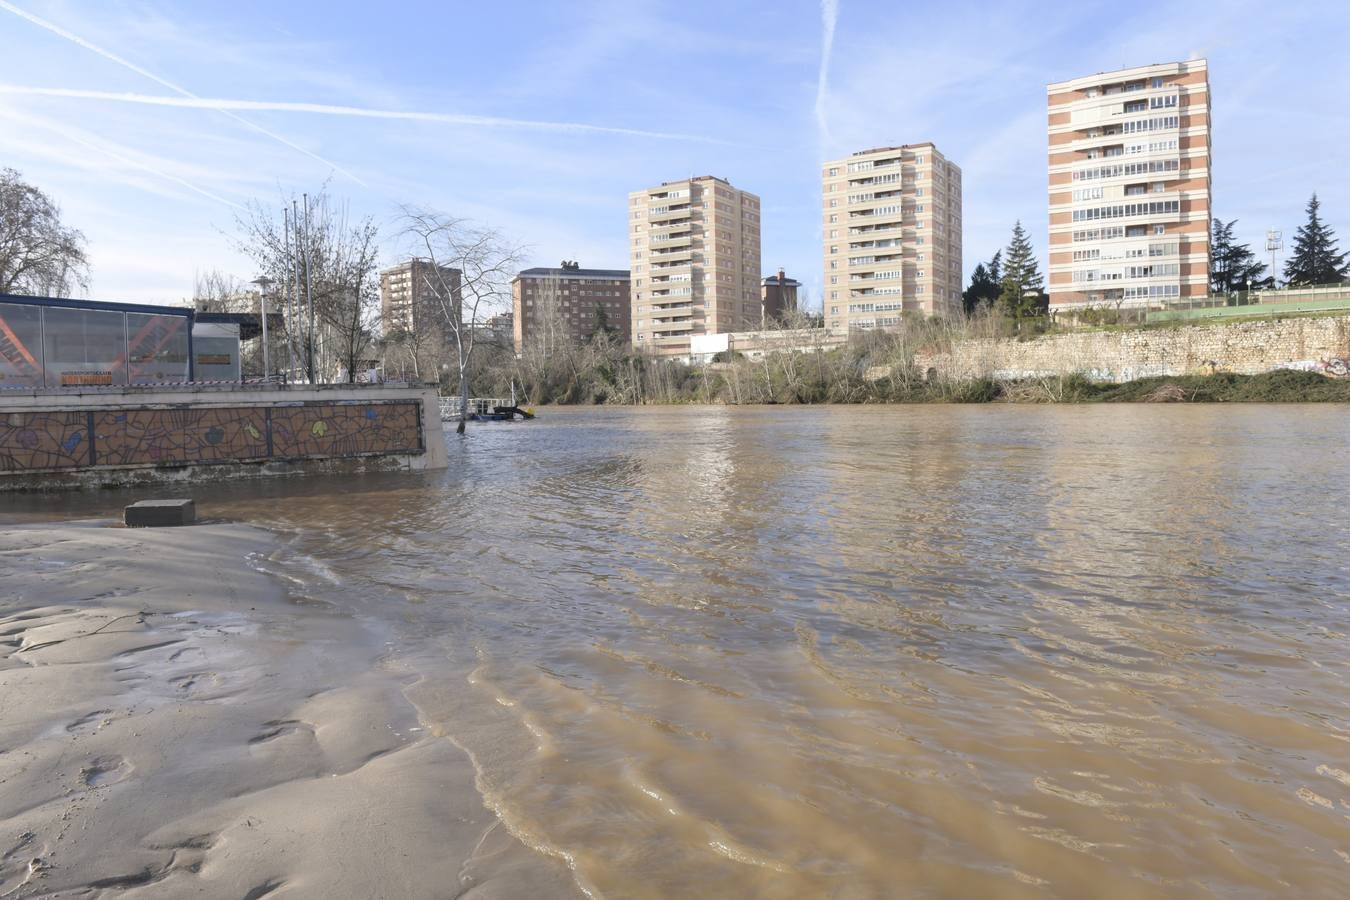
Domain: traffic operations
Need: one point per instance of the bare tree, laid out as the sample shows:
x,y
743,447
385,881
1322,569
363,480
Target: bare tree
x,y
486,263
38,254
217,291
340,258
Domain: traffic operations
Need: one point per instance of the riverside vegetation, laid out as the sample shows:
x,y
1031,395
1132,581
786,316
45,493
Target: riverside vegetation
x,y
873,367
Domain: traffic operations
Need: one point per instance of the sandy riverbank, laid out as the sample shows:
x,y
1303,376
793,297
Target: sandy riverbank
x,y
172,723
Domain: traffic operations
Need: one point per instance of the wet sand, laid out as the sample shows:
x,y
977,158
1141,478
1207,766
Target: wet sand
x,y
173,722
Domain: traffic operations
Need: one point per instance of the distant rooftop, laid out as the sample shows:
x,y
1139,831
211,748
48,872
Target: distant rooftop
x,y
697,178
789,282
408,264
544,272
901,147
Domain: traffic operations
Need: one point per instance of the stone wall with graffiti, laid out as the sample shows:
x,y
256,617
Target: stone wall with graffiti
x,y
44,440
1320,344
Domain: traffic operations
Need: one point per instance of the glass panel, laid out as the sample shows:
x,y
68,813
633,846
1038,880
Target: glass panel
x,y
157,348
20,346
217,350
84,347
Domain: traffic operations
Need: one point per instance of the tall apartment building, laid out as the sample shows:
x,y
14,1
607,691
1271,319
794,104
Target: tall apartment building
x,y
1130,187
411,295
695,262
892,227
569,303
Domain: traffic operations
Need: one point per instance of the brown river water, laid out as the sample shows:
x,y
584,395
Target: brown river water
x,y
873,652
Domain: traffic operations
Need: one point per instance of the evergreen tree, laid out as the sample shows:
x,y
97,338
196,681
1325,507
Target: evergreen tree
x,y
1232,265
984,284
983,289
1316,258
1022,290
602,326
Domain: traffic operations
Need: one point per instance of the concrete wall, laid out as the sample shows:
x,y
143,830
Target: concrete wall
x,y
109,436
1246,347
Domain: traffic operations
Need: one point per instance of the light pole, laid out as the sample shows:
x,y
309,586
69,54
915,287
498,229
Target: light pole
x,y
263,283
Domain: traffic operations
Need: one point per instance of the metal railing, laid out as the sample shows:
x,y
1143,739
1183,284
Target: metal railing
x,y
1277,301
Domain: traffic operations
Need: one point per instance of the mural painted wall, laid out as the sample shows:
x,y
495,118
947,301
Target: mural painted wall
x,y
33,441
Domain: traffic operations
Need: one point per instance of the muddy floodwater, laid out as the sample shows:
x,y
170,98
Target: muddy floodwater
x,y
869,652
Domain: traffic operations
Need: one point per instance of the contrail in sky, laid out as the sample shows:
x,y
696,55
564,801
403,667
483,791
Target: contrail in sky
x,y
327,109
829,17
61,32
114,151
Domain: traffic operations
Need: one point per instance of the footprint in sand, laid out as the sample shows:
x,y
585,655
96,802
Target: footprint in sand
x,y
279,728
90,722
103,771
194,684
21,863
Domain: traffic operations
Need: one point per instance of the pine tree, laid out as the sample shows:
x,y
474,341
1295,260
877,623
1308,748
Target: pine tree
x,y
1316,258
602,326
983,288
1022,290
1232,265
995,267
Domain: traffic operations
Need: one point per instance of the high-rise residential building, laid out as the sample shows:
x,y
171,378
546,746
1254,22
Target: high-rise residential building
x,y
1130,187
414,297
568,303
892,227
695,262
777,297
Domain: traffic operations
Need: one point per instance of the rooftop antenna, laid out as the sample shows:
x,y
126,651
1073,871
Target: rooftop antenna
x,y
1274,242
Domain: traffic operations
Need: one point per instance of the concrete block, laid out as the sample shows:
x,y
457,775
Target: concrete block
x,y
158,513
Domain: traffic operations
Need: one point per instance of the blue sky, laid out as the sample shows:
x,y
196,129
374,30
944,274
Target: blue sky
x,y
757,92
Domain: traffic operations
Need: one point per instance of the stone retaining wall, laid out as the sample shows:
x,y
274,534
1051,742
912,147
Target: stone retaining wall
x,y
1317,344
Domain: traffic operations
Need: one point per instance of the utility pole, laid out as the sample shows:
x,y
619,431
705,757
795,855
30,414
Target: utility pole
x,y
309,292
290,293
264,284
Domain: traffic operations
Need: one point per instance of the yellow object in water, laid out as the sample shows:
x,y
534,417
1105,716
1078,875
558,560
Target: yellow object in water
x,y
529,410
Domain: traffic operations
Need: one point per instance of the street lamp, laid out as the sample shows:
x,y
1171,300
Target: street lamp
x,y
263,283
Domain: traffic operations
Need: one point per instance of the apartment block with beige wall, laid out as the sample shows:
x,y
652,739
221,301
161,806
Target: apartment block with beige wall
x,y
1130,187
892,229
694,247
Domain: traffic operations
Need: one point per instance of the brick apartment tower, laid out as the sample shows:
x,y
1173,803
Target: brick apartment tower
x,y
569,303
694,246
892,227
411,295
1130,187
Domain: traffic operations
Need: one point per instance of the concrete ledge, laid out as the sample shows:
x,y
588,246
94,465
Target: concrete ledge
x,y
159,513
146,476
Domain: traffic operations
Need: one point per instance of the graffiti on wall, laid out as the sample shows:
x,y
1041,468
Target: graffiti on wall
x,y
345,430
43,440
33,441
137,437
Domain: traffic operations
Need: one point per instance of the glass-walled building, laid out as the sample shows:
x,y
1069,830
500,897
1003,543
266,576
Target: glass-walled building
x,y
50,343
